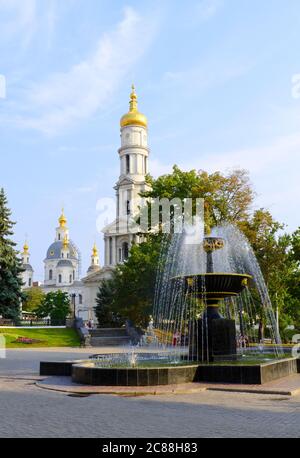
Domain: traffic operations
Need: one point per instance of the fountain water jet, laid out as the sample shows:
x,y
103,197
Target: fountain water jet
x,y
216,272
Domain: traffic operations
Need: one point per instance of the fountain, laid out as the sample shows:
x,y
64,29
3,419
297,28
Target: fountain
x,y
209,297
215,336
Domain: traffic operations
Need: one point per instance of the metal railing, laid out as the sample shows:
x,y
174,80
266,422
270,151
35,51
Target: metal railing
x,y
32,323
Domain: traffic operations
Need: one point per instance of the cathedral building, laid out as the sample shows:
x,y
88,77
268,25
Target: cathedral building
x,y
63,260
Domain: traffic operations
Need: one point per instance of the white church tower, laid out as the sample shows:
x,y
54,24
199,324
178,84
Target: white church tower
x,y
133,154
27,275
95,262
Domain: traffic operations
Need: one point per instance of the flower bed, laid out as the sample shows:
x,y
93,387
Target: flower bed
x,y
27,340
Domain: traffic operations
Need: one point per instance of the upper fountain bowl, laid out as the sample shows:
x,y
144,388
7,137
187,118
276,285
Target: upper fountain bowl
x,y
214,286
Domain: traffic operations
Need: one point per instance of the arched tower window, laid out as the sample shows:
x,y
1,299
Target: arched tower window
x,y
29,282
127,207
50,274
110,250
125,250
70,279
59,278
127,163
80,298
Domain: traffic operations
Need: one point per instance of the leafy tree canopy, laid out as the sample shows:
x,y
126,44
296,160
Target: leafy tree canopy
x,y
227,197
105,312
33,298
55,304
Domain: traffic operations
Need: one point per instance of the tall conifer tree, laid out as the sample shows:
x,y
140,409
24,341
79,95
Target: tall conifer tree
x,y
10,265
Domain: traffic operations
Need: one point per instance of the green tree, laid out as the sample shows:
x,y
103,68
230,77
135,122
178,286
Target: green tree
x,y
129,294
10,266
33,299
135,282
106,316
292,303
227,197
278,261
55,304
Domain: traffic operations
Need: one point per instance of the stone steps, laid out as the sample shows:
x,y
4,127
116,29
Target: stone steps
x,y
110,341
108,337
108,332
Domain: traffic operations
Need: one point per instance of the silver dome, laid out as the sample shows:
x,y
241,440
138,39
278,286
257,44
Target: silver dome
x,y
93,269
54,250
28,267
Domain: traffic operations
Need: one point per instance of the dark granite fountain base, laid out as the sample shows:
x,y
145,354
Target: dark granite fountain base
x,y
86,374
256,374
57,368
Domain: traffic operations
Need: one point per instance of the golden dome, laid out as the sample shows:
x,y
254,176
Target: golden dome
x,y
133,117
65,242
95,251
62,219
25,248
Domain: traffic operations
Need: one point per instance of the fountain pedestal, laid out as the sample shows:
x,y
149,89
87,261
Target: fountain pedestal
x,y
215,337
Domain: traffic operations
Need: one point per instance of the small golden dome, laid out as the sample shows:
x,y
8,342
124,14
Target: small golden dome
x,y
62,219
133,117
25,248
95,251
65,242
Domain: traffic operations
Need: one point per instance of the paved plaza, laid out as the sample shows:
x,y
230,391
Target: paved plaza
x,y
29,411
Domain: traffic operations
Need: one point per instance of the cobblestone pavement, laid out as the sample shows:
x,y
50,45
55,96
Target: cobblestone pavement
x,y
29,411
26,361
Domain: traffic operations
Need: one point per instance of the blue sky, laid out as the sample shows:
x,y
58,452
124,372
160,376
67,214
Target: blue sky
x,y
214,78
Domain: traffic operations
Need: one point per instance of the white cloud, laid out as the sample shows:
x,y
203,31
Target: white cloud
x,y
22,20
260,159
208,74
274,170
18,17
51,16
257,160
86,87
205,9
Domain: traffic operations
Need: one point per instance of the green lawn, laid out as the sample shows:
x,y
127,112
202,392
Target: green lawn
x,y
47,337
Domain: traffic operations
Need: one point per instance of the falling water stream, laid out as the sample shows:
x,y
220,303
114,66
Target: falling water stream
x,y
176,312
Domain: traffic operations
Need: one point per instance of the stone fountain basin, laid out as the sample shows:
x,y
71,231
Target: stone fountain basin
x,y
87,373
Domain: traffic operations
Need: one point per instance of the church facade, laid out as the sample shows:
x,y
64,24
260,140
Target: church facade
x,y
62,261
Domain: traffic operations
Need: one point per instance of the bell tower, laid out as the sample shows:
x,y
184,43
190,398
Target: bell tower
x,y
134,156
